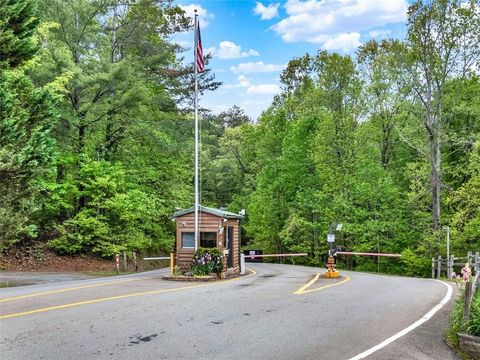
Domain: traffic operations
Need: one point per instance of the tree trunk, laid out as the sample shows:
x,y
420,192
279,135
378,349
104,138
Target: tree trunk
x,y
81,146
108,139
435,156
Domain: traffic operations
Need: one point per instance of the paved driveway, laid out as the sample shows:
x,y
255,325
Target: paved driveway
x,y
278,312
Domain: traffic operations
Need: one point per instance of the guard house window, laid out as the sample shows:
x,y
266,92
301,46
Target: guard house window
x,y
188,240
208,239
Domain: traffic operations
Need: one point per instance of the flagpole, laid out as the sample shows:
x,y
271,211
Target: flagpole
x,y
196,132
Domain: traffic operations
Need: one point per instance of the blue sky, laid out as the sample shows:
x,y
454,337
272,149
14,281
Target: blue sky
x,y
251,41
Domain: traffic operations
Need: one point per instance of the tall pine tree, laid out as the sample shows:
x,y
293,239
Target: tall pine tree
x,y
27,114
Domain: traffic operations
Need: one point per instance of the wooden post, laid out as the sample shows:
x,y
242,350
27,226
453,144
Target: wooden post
x,y
469,255
439,266
117,263
468,301
125,261
433,268
172,262
450,266
134,255
477,262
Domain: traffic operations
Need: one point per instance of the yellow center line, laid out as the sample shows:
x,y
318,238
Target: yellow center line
x,y
303,289
71,289
307,285
64,306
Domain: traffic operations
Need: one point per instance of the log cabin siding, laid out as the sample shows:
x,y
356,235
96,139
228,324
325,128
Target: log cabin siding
x,y
236,244
204,221
207,223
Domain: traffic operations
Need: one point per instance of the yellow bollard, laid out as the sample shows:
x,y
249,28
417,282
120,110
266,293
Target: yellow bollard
x,y
332,272
172,262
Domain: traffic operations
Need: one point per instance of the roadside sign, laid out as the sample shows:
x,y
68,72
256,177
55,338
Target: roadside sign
x,y
331,238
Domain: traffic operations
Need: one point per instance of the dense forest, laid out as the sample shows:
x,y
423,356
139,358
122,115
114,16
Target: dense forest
x,y
96,137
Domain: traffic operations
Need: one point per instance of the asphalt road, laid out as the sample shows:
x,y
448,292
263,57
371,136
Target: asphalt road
x,y
21,278
276,313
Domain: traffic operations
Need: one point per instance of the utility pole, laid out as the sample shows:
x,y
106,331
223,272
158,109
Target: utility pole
x,y
448,253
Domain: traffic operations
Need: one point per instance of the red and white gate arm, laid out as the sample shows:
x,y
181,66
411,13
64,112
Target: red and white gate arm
x,y
366,254
273,255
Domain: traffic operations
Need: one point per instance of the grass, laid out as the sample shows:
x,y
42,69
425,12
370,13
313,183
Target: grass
x,y
3,284
472,327
456,320
473,324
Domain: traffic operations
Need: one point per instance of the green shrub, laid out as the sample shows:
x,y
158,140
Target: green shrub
x,y
176,271
206,261
115,216
415,264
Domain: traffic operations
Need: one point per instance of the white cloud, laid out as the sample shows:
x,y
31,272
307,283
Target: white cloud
x,y
325,21
345,42
203,14
210,50
244,82
379,33
230,50
254,102
264,89
266,12
256,67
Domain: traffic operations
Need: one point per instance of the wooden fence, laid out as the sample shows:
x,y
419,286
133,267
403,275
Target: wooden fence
x,y
447,265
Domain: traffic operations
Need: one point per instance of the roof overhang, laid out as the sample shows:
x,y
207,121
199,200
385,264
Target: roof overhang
x,y
213,211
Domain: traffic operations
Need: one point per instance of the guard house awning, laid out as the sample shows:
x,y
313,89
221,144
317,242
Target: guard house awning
x,y
213,211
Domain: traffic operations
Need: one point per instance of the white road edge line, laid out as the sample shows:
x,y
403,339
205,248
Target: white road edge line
x,y
405,331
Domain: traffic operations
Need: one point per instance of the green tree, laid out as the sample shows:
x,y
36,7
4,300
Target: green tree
x,y
27,115
386,95
465,200
120,98
443,39
17,26
233,117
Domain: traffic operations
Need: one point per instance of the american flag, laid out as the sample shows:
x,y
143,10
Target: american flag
x,y
199,50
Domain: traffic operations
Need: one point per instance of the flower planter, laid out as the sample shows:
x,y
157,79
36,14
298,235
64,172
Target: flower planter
x,y
470,344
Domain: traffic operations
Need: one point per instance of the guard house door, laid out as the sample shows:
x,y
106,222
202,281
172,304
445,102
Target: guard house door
x,y
230,246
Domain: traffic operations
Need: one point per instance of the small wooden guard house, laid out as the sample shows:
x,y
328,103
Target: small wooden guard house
x,y
217,228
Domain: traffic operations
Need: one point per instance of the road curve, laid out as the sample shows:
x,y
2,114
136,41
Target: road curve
x,y
254,317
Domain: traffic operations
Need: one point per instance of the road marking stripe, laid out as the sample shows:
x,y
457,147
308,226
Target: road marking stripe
x,y
307,285
405,331
303,289
327,286
252,272
70,289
